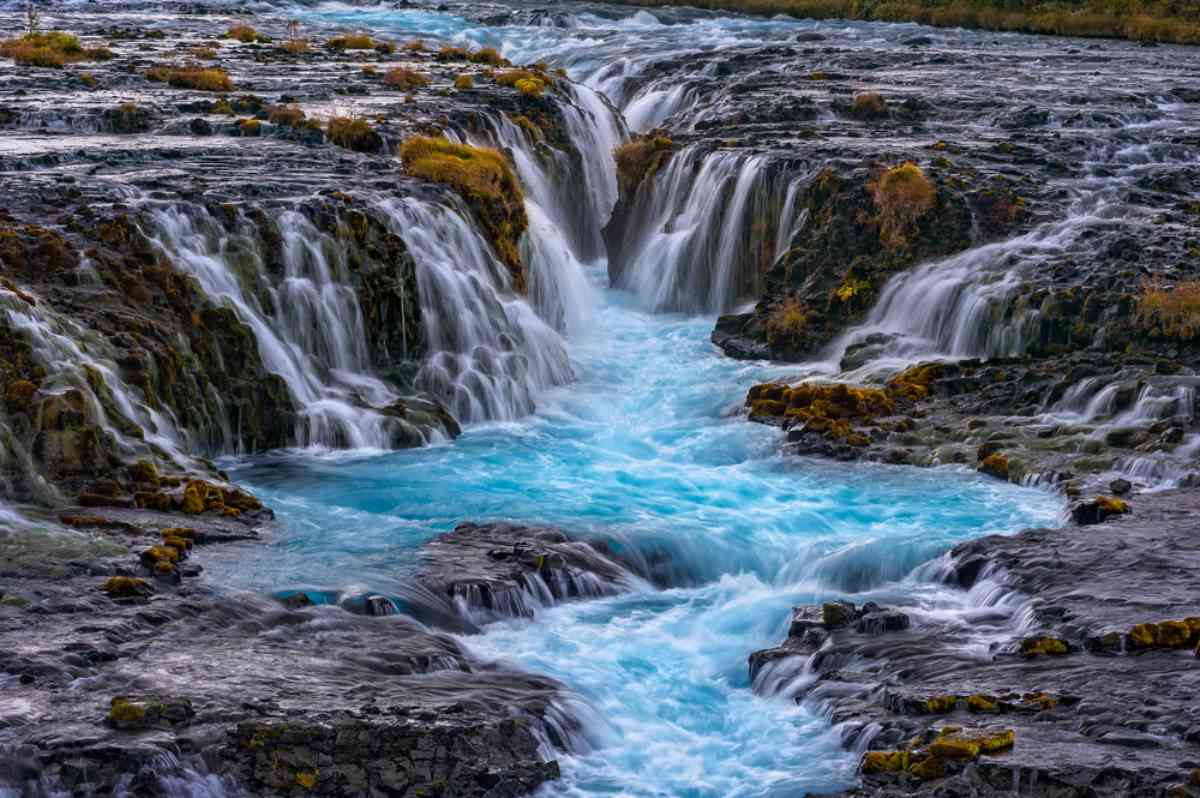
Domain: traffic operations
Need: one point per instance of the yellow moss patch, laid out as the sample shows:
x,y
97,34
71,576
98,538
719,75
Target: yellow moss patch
x,y
250,127
915,383
198,78
1039,700
449,53
125,586
1169,311
145,472
529,83
941,704
157,554
405,79
352,133
242,33
981,703
787,322
351,41
195,496
53,49
869,105
484,178
995,465
1166,634
885,762
1111,505
488,55
902,195
640,158
19,394
286,115
122,710
1044,646
464,82
307,779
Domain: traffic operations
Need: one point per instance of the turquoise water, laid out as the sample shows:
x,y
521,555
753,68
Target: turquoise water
x,y
648,449
649,446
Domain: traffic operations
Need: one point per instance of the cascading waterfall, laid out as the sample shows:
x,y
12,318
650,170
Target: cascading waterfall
x,y
697,243
308,326
490,352
77,360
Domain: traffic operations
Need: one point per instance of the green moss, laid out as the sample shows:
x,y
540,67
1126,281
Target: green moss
x,y
484,178
124,711
1044,646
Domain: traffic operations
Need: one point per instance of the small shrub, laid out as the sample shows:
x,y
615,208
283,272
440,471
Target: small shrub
x,y
205,53
351,41
449,53
640,158
869,105
787,322
387,48
902,195
488,55
1173,312
415,46
198,78
297,46
464,82
286,115
530,84
405,79
353,133
53,49
242,33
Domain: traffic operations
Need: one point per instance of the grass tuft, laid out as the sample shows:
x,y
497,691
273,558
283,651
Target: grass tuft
x,y
902,195
1171,312
405,79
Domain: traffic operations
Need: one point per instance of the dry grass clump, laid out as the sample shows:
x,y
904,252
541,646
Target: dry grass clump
x,y
474,170
297,46
353,133
285,115
192,77
902,195
787,322
242,33
530,84
405,79
869,105
1172,312
490,56
464,82
449,53
351,41
53,49
415,46
640,158
205,53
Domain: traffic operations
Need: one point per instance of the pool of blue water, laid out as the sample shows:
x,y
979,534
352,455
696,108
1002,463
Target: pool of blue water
x,y
649,445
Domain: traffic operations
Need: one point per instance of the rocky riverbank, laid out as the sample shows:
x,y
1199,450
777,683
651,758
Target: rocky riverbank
x,y
120,679
1071,675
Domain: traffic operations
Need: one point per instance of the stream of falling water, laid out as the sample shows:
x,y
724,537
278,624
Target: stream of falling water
x,y
638,439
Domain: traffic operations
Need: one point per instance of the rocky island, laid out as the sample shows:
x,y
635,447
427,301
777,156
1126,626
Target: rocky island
x,y
503,398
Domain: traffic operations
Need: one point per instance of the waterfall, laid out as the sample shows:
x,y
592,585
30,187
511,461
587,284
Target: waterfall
x,y
565,224
957,306
697,241
490,352
308,325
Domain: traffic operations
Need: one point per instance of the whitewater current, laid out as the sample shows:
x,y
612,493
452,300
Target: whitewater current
x,y
642,442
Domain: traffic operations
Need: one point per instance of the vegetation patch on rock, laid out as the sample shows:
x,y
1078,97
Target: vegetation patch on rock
x,y
485,180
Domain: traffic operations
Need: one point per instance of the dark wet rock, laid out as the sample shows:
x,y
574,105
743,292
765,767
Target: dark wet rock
x,y
1074,694
1098,510
508,570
